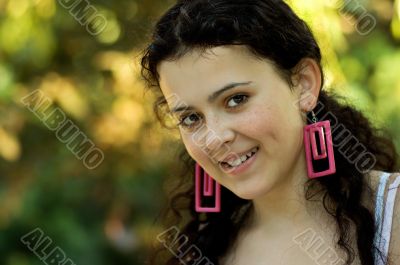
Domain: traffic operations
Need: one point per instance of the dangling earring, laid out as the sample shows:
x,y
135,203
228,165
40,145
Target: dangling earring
x,y
208,190
323,128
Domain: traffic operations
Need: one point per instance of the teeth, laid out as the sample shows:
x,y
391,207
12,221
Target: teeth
x,y
243,158
235,163
254,149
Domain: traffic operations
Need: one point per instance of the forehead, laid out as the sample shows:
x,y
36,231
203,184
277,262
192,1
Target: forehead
x,y
197,74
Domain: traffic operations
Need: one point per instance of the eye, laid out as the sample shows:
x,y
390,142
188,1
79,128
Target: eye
x,y
237,100
188,121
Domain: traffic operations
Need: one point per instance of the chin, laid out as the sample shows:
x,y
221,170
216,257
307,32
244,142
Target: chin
x,y
250,194
255,190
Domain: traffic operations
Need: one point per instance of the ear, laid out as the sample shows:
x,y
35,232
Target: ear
x,y
308,83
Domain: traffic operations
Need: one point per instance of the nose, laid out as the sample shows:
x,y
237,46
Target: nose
x,y
217,134
215,140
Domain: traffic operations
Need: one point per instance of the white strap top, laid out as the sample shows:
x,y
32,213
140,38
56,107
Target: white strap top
x,y
384,215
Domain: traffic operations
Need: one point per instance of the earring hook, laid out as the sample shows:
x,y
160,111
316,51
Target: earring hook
x,y
314,118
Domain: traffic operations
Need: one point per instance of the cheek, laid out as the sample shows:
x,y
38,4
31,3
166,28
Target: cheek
x,y
194,149
190,146
262,121
273,127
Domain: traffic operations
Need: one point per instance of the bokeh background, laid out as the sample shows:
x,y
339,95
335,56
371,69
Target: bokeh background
x,y
105,215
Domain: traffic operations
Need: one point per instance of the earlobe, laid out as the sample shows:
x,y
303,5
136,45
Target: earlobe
x,y
309,83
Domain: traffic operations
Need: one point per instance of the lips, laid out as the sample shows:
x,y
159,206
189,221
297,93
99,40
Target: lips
x,y
241,165
235,156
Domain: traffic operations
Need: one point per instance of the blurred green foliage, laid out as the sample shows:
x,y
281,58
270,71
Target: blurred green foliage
x,y
105,215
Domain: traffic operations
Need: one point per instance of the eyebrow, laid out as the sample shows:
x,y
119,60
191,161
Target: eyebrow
x,y
214,95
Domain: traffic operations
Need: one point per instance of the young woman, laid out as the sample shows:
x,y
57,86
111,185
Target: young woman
x,y
277,170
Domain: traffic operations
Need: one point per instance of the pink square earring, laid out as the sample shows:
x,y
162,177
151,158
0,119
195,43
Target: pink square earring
x,y
207,182
323,129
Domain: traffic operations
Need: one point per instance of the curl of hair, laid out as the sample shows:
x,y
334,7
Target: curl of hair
x,y
271,31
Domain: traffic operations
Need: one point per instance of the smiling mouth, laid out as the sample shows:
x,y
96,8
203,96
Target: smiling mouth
x,y
241,160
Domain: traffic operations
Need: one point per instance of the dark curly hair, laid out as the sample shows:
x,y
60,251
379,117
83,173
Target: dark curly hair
x,y
270,30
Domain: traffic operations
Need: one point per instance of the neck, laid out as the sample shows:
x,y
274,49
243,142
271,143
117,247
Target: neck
x,y
285,204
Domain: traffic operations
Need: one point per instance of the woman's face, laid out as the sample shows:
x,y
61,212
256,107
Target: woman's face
x,y
260,111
